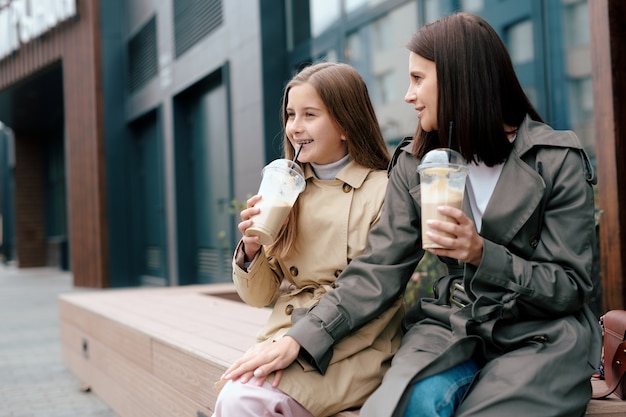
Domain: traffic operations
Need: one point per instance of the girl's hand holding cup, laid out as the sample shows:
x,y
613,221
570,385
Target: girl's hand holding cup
x,y
251,244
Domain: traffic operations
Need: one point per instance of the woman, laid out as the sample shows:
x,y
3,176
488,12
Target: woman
x,y
327,112
520,251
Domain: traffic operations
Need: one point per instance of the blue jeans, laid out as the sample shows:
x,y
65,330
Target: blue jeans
x,y
439,395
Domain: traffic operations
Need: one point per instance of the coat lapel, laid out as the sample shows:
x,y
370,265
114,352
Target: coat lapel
x,y
517,194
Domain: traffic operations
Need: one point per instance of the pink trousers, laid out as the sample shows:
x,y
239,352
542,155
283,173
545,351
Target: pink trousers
x,y
249,400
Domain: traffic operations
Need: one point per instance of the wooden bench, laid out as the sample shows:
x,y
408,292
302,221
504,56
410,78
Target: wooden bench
x,y
158,351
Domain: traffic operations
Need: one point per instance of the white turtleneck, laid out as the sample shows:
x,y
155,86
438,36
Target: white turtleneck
x,y
329,171
481,181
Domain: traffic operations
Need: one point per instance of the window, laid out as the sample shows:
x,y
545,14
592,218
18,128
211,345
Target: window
x,y
385,91
576,24
377,51
473,6
575,21
582,100
520,42
323,14
435,9
142,63
382,34
355,5
193,20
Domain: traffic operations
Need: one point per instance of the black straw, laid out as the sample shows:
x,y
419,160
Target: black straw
x,y
450,141
295,158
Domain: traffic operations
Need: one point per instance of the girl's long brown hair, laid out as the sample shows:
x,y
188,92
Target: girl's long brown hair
x,y
478,89
344,93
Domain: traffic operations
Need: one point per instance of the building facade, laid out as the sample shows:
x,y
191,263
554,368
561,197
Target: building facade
x,y
131,130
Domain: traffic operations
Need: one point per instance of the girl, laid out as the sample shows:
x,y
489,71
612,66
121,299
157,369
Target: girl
x,y
327,111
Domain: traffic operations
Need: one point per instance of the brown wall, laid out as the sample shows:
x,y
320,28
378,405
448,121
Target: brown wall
x,y
76,44
608,33
29,213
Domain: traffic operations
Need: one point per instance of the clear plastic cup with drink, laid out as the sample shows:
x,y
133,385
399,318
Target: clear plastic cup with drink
x,y
442,174
281,184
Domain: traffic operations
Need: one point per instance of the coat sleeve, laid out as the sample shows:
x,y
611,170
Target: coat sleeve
x,y
373,281
258,285
555,280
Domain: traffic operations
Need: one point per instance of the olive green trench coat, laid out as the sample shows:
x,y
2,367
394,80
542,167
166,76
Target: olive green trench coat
x,y
525,321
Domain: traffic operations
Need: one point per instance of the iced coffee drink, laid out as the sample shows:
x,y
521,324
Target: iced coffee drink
x,y
269,221
442,183
282,182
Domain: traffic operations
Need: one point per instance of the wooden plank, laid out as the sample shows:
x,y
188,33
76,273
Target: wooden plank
x,y
612,406
167,314
189,374
106,387
129,341
130,390
133,338
160,302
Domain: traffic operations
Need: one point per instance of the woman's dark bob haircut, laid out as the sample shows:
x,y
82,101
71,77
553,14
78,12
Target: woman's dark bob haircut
x,y
478,89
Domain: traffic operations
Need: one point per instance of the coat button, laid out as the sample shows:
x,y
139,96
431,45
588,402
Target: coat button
x,y
337,273
294,271
534,241
288,309
347,188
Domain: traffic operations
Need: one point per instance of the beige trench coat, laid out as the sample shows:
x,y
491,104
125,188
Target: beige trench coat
x,y
333,225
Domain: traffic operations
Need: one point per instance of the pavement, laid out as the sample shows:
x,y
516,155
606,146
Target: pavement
x,y
34,381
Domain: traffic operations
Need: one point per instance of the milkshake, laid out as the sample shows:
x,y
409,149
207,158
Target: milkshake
x,y
268,222
281,184
442,183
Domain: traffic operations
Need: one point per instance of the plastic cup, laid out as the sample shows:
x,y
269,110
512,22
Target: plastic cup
x,y
442,183
281,183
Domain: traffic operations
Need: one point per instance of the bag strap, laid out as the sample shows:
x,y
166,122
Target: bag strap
x,y
397,153
619,370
